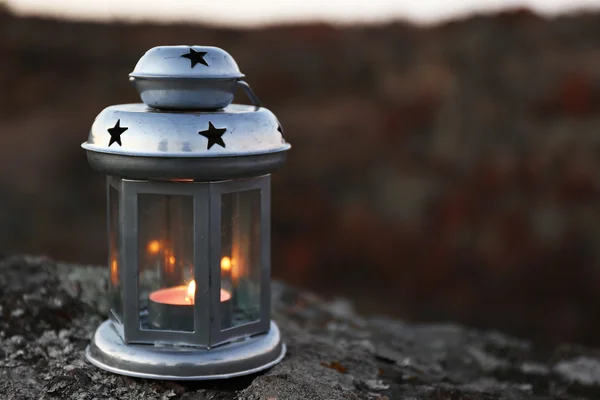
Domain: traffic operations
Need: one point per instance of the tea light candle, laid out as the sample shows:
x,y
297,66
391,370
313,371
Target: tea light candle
x,y
173,308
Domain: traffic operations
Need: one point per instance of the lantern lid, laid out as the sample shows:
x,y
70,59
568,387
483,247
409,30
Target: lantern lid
x,y
186,62
187,78
187,127
137,141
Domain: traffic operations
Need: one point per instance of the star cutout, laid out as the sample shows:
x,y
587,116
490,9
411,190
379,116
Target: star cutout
x,y
115,133
213,135
280,129
195,57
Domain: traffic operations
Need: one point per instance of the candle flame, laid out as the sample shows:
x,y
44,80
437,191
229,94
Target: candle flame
x,y
172,260
153,247
191,291
225,264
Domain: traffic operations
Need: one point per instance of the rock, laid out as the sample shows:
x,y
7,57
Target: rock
x,y
50,309
582,369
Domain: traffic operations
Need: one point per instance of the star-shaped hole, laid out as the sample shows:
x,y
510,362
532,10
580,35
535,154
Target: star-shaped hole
x,y
115,133
195,57
214,135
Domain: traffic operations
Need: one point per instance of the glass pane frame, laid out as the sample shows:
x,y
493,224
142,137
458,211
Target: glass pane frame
x,y
116,316
132,331
207,260
217,189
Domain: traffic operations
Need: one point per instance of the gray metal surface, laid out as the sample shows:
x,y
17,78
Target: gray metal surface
x,y
185,94
205,169
108,351
248,131
186,77
171,62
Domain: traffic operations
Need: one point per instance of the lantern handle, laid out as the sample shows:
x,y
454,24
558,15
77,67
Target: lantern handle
x,y
249,92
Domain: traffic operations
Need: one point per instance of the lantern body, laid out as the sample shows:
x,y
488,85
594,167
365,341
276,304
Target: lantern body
x,y
189,260
188,194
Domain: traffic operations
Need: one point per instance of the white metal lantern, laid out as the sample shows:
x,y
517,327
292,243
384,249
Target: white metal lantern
x,y
188,191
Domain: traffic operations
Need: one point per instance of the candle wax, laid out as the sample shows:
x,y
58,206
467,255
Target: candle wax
x,y
178,296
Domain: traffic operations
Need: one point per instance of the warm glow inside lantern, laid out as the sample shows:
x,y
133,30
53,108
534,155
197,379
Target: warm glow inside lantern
x,y
195,243
188,193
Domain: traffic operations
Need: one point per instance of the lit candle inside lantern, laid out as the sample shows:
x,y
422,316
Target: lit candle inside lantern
x,y
173,308
191,292
181,295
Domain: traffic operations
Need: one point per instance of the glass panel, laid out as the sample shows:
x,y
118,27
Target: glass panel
x,y
114,259
166,262
240,258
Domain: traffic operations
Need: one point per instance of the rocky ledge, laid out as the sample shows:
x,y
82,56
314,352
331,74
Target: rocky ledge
x,y
49,311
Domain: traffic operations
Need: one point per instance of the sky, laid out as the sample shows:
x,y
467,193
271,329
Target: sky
x,y
261,12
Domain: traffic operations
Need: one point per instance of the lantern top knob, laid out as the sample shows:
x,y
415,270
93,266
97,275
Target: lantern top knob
x,y
186,62
186,77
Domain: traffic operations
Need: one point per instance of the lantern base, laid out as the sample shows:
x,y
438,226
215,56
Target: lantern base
x,y
109,352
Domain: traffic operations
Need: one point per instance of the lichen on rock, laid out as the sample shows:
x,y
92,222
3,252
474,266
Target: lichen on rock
x,y
49,311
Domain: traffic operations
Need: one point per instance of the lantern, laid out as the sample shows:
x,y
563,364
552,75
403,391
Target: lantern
x,y
188,193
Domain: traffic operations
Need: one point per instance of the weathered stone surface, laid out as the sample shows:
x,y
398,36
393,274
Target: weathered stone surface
x,y
49,310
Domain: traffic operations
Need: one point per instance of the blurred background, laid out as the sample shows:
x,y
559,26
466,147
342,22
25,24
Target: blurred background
x,y
446,154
